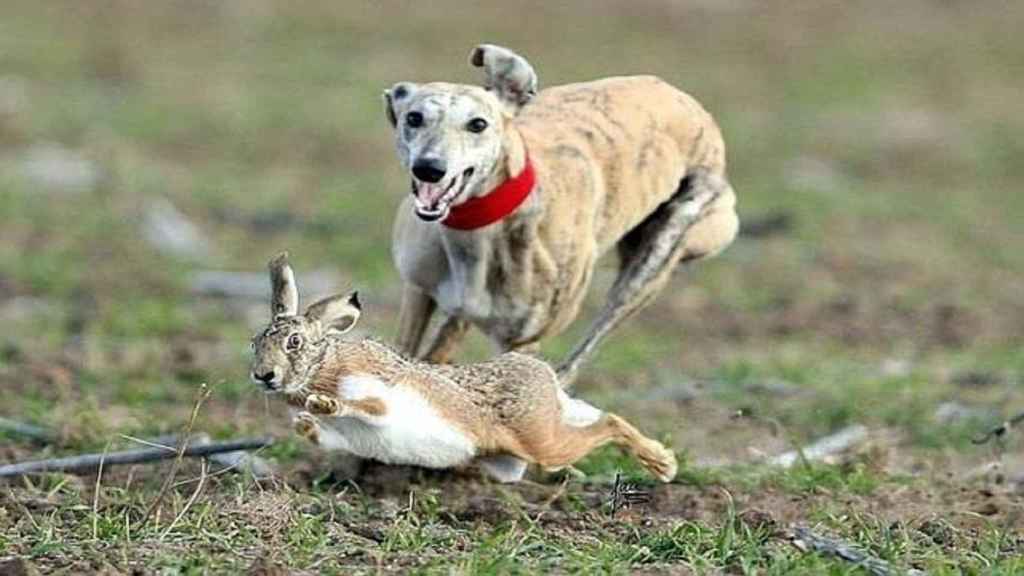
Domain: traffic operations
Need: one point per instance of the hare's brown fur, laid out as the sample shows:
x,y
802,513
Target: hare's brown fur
x,y
510,406
507,406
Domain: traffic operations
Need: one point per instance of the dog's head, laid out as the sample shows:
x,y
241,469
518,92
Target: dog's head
x,y
451,136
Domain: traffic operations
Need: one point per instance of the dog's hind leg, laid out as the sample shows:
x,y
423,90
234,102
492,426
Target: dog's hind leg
x,y
648,254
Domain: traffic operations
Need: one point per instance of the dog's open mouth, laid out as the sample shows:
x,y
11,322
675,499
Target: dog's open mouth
x,y
433,201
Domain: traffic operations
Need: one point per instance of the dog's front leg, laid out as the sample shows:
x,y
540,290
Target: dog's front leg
x,y
413,318
447,339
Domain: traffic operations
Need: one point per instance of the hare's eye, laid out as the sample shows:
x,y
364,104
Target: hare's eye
x,y
414,119
294,342
252,345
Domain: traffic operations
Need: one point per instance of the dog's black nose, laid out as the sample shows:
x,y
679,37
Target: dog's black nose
x,y
429,170
266,377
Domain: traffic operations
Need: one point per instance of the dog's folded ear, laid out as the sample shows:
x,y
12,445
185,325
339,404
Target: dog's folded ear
x,y
506,73
394,99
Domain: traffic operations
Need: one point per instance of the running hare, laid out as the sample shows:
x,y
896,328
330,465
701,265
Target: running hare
x,y
364,397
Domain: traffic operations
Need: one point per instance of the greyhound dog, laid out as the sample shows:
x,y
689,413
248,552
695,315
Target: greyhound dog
x,y
517,193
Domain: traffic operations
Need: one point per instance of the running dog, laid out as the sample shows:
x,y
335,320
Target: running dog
x,y
516,194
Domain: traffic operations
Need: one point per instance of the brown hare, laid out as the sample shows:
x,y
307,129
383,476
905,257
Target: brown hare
x,y
363,397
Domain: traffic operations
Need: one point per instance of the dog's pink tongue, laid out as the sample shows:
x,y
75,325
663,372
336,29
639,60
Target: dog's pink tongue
x,y
429,194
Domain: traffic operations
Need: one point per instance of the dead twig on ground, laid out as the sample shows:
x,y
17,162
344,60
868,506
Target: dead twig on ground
x,y
190,502
96,494
87,462
202,395
241,461
805,539
165,442
999,431
231,456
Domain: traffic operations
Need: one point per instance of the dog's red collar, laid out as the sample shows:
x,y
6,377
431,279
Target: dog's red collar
x,y
495,205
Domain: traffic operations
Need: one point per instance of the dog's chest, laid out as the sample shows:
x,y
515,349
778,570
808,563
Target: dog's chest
x,y
410,431
495,284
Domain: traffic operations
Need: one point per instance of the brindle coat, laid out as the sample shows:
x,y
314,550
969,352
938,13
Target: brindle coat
x,y
626,162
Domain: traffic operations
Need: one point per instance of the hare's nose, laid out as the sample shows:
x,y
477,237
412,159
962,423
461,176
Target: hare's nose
x,y
267,377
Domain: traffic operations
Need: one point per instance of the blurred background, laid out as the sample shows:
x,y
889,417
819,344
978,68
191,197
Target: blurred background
x,y
154,156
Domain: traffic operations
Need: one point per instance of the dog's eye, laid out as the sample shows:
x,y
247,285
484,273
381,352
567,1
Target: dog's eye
x,y
414,119
294,342
477,125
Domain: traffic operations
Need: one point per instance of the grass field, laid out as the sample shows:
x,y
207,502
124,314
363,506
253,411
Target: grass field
x,y
889,136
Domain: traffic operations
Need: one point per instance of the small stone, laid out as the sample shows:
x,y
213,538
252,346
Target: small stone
x,y
168,230
954,412
59,169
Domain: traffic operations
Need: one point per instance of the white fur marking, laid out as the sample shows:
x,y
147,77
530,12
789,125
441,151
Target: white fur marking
x,y
410,432
503,468
577,413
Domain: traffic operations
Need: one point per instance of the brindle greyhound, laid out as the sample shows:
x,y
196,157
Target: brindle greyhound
x,y
516,194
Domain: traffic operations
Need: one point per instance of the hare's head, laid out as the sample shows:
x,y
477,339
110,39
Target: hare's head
x,y
288,350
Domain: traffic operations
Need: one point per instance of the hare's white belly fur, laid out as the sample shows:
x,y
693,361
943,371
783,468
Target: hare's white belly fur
x,y
409,432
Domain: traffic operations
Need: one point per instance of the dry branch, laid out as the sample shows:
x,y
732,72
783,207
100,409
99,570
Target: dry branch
x,y
202,394
1001,430
191,501
805,539
87,462
241,461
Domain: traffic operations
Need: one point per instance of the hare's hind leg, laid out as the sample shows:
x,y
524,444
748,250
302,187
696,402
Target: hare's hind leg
x,y
569,443
653,455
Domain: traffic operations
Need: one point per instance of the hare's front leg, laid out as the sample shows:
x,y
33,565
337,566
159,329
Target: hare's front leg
x,y
323,405
365,408
307,426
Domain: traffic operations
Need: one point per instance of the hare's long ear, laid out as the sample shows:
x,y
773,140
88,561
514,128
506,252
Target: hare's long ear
x,y
338,313
395,99
506,73
284,299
